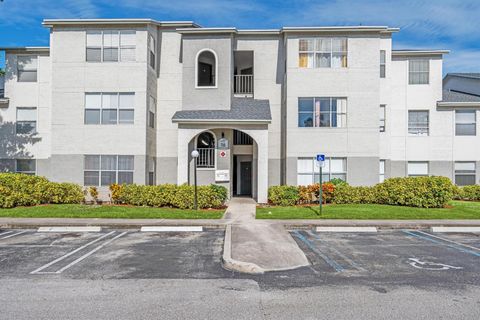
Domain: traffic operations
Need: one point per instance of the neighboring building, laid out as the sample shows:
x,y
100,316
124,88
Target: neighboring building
x,y
127,100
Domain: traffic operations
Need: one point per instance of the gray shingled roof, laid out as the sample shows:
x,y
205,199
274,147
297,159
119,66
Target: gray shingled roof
x,y
452,96
242,109
465,75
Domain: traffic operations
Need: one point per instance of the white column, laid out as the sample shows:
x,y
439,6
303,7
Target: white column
x,y
261,138
182,167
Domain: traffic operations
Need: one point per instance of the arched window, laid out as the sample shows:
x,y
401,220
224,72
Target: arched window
x,y
206,68
206,150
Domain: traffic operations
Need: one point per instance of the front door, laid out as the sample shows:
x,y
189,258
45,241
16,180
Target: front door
x,y
246,178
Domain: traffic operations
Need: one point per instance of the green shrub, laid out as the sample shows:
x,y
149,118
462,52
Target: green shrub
x,y
471,193
346,194
337,181
424,192
283,195
170,195
25,190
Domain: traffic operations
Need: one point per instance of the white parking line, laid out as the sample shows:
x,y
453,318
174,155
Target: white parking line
x,y
6,232
91,252
70,253
456,229
448,240
172,229
346,229
13,235
69,229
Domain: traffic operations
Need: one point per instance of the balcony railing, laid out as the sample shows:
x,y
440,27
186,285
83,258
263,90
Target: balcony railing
x,y
206,158
243,84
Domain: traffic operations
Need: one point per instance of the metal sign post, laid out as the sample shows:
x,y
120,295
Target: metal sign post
x,y
195,155
320,163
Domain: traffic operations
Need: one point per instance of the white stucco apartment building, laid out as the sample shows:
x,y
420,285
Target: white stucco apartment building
x,y
127,100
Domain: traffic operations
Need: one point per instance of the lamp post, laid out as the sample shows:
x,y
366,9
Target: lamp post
x,y
195,155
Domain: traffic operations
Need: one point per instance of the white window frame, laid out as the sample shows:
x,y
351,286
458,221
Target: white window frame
x,y
316,51
383,118
27,70
118,94
410,72
102,46
383,71
117,171
36,120
418,162
470,173
417,129
26,172
196,69
314,99
151,171
466,123
152,50
315,170
381,172
152,112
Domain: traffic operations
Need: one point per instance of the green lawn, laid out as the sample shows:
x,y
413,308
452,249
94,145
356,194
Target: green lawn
x,y
456,210
106,211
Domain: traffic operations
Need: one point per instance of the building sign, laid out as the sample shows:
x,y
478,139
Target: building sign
x,y
223,154
222,175
223,143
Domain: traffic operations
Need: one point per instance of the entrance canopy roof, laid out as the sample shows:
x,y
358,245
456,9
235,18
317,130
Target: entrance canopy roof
x,y
243,110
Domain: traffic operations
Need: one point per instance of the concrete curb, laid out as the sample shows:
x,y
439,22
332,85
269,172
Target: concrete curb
x,y
234,265
34,223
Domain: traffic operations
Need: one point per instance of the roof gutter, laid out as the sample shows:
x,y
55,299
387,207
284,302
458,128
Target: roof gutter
x,y
49,23
419,53
230,121
26,49
458,104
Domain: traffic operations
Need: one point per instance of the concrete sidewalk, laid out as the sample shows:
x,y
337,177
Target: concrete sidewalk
x,y
256,246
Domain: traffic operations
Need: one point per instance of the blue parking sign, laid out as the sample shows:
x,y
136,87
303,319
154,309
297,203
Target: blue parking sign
x,y
320,157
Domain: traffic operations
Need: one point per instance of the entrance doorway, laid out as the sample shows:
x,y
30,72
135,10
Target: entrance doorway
x,y
242,176
246,178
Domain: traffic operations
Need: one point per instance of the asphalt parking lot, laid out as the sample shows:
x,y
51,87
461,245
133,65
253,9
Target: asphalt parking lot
x,y
402,257
127,274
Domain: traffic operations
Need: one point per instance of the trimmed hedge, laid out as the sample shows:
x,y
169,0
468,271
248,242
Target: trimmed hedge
x,y
471,193
283,195
169,195
423,192
25,190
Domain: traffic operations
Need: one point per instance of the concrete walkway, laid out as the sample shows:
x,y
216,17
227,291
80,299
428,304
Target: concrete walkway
x,y
256,246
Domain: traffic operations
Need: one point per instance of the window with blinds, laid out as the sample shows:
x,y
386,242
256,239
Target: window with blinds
x,y
104,170
110,45
322,53
109,107
418,71
465,173
309,173
27,68
418,122
26,120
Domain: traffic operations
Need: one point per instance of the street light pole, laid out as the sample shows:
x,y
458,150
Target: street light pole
x,y
195,155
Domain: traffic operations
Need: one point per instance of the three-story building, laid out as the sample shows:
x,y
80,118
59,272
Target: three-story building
x,y
128,100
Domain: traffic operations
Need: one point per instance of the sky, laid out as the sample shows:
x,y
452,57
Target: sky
x,y
434,24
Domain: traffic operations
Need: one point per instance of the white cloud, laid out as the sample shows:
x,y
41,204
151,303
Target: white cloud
x,y
29,12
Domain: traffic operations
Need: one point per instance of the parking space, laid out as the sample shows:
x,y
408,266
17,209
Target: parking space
x,y
411,257
111,254
416,257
